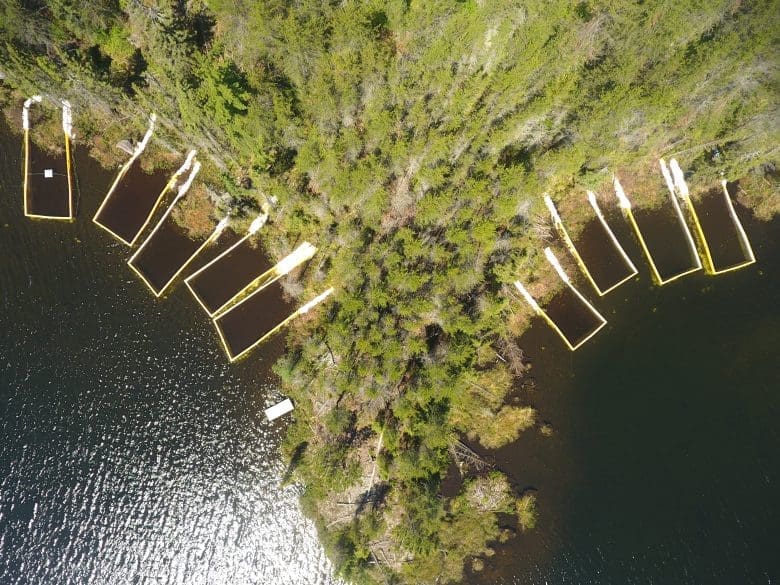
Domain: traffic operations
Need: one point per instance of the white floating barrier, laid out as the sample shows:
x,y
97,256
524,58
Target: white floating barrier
x,y
32,210
26,110
556,218
681,187
571,344
278,410
139,148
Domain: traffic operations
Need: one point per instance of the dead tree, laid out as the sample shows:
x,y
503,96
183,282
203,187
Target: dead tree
x,y
464,456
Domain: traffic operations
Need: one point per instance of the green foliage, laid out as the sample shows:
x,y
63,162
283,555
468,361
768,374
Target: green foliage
x,y
420,525
328,469
465,530
526,511
507,425
410,141
338,421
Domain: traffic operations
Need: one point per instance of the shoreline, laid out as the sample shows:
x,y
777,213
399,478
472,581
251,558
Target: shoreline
x,y
411,143
566,382
124,427
577,227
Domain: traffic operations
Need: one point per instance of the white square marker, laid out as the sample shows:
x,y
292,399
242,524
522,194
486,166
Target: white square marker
x,y
48,174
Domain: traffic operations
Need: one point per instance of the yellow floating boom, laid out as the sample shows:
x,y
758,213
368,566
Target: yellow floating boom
x,y
139,148
556,218
301,311
67,128
677,185
625,206
746,247
169,186
286,265
26,127
558,223
214,235
683,224
542,313
681,188
631,266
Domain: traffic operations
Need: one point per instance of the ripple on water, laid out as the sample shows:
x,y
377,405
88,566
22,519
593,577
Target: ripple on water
x,y
130,451
148,473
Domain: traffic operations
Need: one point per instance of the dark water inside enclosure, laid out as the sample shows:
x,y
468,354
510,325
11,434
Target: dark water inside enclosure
x,y
229,274
164,253
604,261
722,234
571,315
224,241
132,201
666,240
47,196
244,324
130,450
663,467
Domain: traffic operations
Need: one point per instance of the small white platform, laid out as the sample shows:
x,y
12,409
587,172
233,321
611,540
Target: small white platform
x,y
278,410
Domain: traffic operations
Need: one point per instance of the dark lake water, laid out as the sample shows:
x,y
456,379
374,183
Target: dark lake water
x,y
131,452
665,464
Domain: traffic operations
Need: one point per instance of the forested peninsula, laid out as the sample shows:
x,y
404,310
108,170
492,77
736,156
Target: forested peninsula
x,y
411,141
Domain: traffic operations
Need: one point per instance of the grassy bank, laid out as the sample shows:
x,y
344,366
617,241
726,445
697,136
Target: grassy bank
x,y
411,141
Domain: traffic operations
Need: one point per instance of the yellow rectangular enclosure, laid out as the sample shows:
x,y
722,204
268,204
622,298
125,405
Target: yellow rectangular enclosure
x,y
48,178
134,195
253,320
599,255
240,269
727,247
656,229
169,250
584,321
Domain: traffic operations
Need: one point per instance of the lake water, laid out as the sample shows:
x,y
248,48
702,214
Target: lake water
x,y
131,452
665,463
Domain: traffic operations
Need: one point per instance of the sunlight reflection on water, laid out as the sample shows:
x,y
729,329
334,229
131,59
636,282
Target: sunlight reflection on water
x,y
130,451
